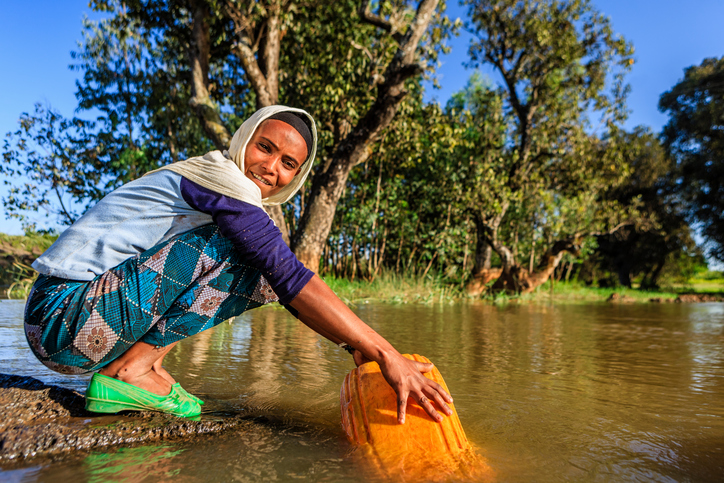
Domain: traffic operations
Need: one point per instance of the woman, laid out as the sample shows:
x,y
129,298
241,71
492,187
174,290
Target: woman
x,y
180,250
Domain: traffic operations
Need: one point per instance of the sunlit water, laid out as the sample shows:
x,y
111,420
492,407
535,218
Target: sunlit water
x,y
547,393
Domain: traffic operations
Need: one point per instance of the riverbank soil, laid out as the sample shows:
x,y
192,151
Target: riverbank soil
x,y
47,420
10,253
15,261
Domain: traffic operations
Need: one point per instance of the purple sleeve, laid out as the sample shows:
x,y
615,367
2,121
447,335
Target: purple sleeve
x,y
255,236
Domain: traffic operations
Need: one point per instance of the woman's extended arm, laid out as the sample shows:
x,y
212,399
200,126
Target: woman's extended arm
x,y
321,310
259,243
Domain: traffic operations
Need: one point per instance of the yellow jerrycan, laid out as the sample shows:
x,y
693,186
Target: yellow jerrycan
x,y
419,450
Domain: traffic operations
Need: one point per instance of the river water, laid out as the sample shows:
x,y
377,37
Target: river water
x,y
591,392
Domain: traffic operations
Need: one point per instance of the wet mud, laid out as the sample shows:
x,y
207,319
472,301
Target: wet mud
x,y
46,420
699,298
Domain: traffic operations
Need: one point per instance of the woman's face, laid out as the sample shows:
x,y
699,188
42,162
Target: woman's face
x,y
273,156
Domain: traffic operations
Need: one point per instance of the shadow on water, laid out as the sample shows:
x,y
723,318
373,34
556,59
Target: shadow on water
x,y
548,393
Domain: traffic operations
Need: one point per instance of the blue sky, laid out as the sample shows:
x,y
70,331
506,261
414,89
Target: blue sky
x,y
37,36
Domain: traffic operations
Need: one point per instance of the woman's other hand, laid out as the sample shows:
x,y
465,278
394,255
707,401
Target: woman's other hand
x,y
405,377
321,310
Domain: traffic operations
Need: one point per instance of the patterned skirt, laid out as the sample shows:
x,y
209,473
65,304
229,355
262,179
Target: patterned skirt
x,y
167,293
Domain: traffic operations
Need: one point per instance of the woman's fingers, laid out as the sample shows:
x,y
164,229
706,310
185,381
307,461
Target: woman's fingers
x,y
437,396
429,408
402,405
433,391
406,378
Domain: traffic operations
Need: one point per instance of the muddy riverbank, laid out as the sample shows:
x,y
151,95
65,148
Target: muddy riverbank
x,y
47,420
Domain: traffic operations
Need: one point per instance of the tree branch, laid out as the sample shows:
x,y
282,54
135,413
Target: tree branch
x,y
201,101
613,230
246,49
377,21
70,219
264,76
270,57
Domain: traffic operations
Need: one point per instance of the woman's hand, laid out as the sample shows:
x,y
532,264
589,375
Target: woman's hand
x,y
325,313
405,377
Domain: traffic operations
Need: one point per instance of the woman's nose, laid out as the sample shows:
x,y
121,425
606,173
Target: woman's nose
x,y
271,163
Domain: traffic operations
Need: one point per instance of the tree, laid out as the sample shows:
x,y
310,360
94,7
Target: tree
x,y
694,136
141,122
127,78
49,167
257,28
354,148
173,78
400,207
479,113
644,246
560,64
282,67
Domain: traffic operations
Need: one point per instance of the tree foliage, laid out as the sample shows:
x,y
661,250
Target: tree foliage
x,y
644,245
561,68
694,136
49,167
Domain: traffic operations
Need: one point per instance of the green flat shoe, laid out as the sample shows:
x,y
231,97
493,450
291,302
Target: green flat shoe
x,y
184,392
108,395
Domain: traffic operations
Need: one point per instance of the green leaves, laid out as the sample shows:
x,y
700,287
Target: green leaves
x,y
49,167
694,136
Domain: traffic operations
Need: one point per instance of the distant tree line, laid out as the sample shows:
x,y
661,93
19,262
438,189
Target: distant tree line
x,y
513,181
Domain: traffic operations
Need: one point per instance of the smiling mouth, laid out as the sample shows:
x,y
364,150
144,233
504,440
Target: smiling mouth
x,y
256,176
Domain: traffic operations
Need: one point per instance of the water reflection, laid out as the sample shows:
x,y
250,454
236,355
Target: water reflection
x,y
16,357
549,393
152,463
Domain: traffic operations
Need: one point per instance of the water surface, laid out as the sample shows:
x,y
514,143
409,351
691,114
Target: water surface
x,y
547,393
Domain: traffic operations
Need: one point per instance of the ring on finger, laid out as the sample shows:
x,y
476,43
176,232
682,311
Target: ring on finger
x,y
423,400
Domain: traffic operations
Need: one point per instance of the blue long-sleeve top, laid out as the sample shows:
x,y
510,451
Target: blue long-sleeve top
x,y
157,207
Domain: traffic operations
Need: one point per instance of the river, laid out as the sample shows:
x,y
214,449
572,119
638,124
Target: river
x,y
592,392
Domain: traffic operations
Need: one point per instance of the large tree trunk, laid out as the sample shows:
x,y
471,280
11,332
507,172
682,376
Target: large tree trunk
x,y
509,280
201,102
487,237
651,279
262,69
327,187
624,275
482,273
516,279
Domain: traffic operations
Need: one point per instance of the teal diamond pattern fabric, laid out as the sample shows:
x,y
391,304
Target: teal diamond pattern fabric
x,y
169,292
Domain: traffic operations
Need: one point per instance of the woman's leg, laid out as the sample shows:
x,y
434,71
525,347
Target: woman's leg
x,y
217,286
140,366
159,369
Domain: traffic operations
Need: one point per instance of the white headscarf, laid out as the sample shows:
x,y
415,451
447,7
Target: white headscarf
x,y
224,172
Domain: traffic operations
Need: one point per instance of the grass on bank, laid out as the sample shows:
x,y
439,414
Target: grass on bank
x,y
18,252
399,289
30,243
391,287
578,292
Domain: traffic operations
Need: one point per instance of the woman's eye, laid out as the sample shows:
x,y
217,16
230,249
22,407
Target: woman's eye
x,y
265,147
290,165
